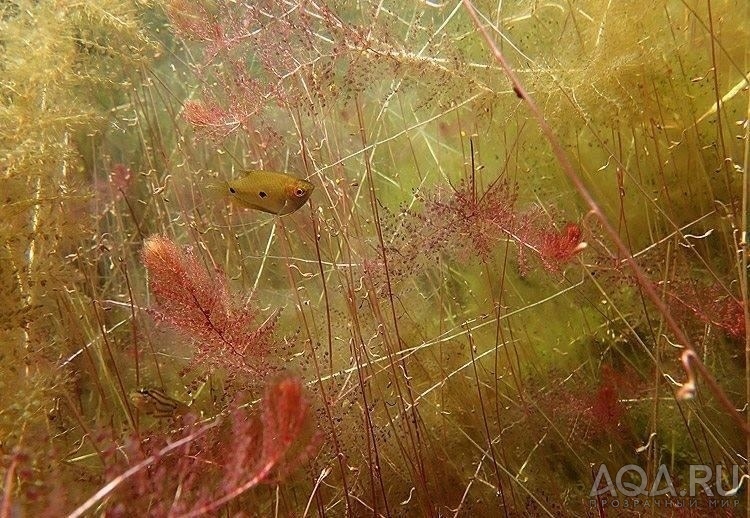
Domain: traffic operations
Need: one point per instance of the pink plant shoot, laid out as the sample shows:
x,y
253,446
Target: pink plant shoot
x,y
475,220
197,303
478,222
711,305
117,184
268,447
557,248
209,118
212,464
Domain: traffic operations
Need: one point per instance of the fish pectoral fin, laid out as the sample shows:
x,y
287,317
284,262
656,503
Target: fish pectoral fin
x,y
277,208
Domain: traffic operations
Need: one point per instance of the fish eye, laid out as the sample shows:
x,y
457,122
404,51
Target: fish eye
x,y
262,194
231,189
299,192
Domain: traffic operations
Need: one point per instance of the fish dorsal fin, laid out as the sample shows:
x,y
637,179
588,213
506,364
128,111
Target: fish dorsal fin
x,y
250,172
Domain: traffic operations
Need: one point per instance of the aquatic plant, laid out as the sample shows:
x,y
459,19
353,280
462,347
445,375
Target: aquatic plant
x,y
525,255
200,306
207,466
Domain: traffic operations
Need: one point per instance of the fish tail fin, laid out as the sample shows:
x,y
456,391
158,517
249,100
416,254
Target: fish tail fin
x,y
212,194
215,191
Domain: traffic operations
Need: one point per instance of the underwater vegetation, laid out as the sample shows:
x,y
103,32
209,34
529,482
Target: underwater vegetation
x,y
336,258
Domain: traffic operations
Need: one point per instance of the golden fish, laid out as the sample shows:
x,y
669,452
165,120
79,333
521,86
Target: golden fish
x,y
156,403
276,193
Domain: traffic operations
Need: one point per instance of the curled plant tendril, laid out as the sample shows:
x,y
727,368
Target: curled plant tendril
x,y
688,389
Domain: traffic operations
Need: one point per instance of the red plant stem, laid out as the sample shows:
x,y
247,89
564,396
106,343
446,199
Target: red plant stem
x,y
254,481
109,487
125,400
414,435
743,264
134,326
8,488
574,178
340,456
490,446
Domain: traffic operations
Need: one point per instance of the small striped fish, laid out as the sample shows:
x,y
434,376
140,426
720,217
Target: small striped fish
x,y
156,403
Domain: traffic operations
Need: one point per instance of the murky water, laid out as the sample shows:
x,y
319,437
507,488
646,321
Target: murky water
x,y
513,267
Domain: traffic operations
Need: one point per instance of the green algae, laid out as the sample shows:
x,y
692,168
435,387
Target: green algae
x,y
456,380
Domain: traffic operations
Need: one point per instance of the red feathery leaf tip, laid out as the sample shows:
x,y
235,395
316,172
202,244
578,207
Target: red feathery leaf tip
x,y
204,113
198,304
118,182
711,305
475,220
120,176
277,443
557,248
731,318
209,118
193,21
284,414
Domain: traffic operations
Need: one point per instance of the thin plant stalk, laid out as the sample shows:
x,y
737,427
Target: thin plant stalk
x,y
643,282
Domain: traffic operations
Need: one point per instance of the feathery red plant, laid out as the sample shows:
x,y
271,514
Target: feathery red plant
x,y
285,417
184,477
192,20
711,305
472,224
600,412
475,223
198,304
558,248
209,118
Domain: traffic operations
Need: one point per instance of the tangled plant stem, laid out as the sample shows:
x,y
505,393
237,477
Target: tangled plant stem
x,y
115,482
257,448
409,298
643,281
